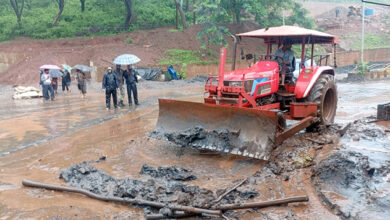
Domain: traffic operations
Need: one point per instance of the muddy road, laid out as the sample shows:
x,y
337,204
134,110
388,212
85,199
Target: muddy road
x,y
39,140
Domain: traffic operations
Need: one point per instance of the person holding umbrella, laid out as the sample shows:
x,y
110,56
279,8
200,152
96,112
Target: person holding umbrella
x,y
66,80
131,79
130,75
47,87
81,78
121,93
110,84
82,82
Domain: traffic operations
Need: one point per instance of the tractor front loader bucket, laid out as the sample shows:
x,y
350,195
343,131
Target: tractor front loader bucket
x,y
241,131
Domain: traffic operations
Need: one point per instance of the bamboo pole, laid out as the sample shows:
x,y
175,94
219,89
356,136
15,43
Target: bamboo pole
x,y
262,204
174,216
232,189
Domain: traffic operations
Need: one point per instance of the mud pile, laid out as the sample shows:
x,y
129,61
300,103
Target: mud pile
x,y
354,181
350,175
364,129
198,137
161,188
167,185
170,173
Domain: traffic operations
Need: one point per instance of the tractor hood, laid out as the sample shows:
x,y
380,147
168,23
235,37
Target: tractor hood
x,y
261,69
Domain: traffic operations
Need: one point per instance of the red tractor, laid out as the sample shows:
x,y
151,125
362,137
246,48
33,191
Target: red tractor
x,y
245,111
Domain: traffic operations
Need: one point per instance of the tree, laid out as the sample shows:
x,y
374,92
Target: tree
x,y
18,10
298,16
61,5
129,12
82,5
236,7
183,16
214,13
29,4
210,14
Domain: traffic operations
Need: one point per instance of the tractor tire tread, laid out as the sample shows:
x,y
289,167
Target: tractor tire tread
x,y
315,96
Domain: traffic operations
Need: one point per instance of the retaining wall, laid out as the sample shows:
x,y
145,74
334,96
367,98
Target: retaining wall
x,y
346,58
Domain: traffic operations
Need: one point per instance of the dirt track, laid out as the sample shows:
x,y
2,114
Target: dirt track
x,y
70,131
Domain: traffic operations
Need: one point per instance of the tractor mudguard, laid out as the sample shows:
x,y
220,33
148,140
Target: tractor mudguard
x,y
307,78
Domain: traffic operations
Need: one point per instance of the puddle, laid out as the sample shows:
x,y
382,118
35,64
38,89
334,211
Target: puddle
x,y
8,187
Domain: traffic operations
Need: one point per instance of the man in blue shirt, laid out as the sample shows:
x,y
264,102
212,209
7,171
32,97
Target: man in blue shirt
x,y
286,58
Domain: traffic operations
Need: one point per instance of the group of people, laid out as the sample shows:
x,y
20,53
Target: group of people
x,y
113,83
50,84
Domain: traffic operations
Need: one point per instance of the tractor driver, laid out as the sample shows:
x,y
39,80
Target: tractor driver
x,y
287,56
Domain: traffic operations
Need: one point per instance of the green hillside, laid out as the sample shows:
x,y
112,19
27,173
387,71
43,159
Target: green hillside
x,y
107,17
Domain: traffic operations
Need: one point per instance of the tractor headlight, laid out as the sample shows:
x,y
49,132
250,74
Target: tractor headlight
x,y
235,83
248,85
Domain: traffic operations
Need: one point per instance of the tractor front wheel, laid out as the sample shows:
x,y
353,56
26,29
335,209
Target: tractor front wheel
x,y
324,93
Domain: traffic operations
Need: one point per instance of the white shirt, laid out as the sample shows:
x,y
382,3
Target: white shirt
x,y
46,79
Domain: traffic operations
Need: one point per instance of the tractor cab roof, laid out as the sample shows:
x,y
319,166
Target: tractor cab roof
x,y
298,35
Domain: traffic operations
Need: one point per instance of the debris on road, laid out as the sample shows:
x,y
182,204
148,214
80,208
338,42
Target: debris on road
x,y
170,173
162,191
353,178
22,92
383,112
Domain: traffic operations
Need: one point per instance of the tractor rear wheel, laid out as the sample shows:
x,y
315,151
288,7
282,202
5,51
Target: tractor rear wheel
x,y
324,93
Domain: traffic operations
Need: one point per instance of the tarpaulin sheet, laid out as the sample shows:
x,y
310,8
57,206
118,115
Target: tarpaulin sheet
x,y
148,73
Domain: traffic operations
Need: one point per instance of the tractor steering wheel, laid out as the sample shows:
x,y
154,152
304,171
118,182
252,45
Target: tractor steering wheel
x,y
278,59
270,57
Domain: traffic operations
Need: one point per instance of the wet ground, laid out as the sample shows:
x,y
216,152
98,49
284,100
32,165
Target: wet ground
x,y
40,139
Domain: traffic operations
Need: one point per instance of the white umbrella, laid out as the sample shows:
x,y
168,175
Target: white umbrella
x,y
82,68
126,59
55,73
50,67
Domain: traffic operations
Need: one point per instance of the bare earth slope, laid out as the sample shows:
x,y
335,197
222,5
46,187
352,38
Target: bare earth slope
x,y
149,45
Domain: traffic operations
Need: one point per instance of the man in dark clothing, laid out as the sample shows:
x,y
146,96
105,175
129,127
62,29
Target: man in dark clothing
x,y
66,80
131,79
110,83
121,93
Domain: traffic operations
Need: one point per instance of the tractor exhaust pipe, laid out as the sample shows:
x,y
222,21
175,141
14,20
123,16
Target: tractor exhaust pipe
x,y
234,52
222,60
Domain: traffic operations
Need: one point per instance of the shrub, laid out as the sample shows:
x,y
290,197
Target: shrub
x,y
362,68
129,40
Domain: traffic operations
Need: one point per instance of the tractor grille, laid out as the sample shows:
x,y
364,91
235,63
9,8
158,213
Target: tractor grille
x,y
264,89
248,84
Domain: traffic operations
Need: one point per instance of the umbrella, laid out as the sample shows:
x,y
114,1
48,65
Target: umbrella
x,y
55,73
82,68
67,67
50,67
126,59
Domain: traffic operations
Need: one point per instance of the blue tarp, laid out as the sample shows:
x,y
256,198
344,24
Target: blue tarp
x,y
173,73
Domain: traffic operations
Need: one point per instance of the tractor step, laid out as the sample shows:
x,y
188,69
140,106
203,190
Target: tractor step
x,y
285,94
230,93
